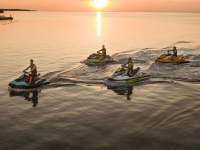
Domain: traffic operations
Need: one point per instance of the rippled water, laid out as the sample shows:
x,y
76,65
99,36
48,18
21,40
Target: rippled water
x,y
77,110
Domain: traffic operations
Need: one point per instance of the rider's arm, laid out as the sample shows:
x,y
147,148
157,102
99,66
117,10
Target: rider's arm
x,y
27,68
125,63
99,50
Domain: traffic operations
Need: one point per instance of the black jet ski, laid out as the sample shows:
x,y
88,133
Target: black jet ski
x,y
120,76
23,82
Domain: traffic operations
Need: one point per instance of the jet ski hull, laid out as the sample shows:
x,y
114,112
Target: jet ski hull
x,y
20,83
164,58
130,80
97,60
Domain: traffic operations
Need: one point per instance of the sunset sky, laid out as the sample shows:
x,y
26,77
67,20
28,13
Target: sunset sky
x,y
113,5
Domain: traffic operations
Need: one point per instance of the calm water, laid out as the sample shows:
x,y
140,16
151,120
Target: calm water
x,y
77,111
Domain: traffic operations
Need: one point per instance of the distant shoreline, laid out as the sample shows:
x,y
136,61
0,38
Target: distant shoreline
x,y
16,10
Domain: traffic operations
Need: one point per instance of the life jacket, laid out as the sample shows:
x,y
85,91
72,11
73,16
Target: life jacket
x,y
103,51
175,54
34,72
130,65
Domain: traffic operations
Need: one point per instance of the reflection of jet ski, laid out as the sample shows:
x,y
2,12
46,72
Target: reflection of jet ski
x,y
128,91
120,76
166,58
95,58
28,95
23,80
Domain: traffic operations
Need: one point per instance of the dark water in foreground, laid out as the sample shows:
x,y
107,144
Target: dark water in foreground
x,y
77,110
147,116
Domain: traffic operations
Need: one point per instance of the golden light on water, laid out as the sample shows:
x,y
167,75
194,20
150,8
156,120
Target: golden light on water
x,y
98,19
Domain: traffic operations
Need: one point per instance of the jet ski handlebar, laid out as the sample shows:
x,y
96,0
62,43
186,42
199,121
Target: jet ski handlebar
x,y
25,72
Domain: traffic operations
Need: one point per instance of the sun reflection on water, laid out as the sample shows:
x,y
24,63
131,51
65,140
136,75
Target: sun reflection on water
x,y
98,19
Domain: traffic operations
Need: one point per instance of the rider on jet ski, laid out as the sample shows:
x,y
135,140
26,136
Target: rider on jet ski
x,y
130,66
33,71
174,55
102,52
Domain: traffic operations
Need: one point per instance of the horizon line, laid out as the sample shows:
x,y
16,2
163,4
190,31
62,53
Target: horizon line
x,y
18,9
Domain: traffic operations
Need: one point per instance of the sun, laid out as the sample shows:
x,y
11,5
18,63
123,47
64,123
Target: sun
x,y
99,4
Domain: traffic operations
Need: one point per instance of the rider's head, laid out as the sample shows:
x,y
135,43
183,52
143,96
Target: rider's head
x,y
103,46
129,59
174,47
31,61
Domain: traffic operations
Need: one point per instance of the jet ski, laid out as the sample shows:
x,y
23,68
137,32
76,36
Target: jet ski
x,y
166,58
120,76
94,58
23,82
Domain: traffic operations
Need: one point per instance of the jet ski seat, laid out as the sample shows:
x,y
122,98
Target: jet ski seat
x,y
36,76
28,78
135,71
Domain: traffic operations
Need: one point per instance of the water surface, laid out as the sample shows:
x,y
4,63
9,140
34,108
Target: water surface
x,y
77,110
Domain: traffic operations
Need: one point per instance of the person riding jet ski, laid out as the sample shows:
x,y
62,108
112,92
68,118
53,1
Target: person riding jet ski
x,y
174,55
101,54
127,74
33,72
28,80
130,66
99,57
172,58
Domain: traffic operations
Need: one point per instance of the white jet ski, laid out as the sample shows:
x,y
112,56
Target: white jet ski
x,y
120,76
